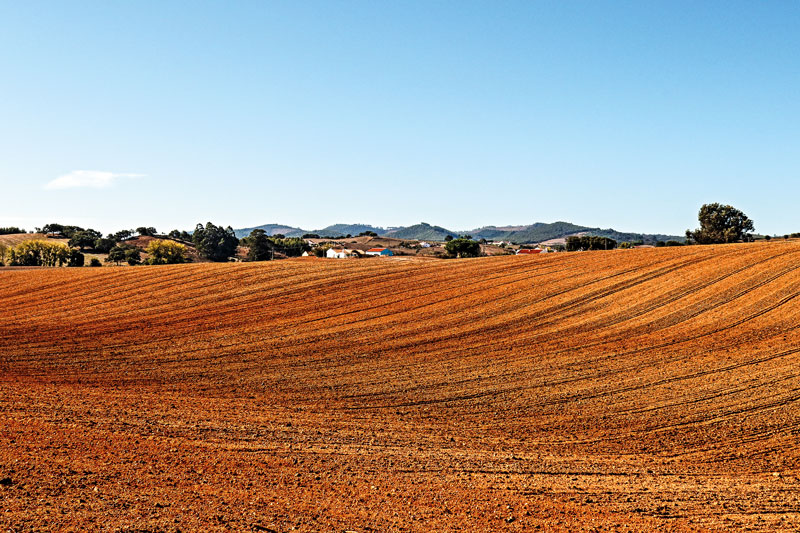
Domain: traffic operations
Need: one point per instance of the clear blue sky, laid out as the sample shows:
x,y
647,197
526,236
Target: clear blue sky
x,y
628,115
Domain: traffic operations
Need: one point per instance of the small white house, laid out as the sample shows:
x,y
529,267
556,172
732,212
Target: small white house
x,y
337,253
424,244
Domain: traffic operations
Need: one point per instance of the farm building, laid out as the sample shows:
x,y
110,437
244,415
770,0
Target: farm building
x,y
379,251
342,253
336,253
530,251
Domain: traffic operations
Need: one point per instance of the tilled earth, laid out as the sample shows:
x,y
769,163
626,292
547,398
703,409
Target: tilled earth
x,y
630,390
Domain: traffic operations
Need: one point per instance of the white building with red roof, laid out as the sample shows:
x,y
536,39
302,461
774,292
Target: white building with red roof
x,y
380,252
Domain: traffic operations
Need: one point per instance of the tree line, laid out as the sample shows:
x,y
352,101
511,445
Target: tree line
x,y
718,224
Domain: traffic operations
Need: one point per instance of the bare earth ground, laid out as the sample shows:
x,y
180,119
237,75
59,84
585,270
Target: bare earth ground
x,y
633,390
14,239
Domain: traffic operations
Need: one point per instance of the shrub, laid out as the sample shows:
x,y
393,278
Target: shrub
x,y
95,262
163,252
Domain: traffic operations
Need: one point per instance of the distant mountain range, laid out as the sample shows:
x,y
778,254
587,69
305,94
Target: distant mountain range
x,y
533,233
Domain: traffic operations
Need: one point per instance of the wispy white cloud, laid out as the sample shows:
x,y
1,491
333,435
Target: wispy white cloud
x,y
95,179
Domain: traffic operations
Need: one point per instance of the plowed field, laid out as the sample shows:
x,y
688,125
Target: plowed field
x,y
640,390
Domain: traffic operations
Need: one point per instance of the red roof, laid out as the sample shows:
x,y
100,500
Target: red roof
x,y
376,249
529,251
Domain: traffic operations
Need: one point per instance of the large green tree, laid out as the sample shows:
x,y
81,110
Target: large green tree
x,y
721,224
104,245
259,246
463,247
215,242
84,238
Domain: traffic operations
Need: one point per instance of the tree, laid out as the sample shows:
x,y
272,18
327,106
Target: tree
x,y
133,256
448,238
463,247
721,224
311,235
39,253
124,252
84,238
367,234
291,247
64,231
122,235
214,242
164,252
260,247
590,242
146,231
104,245
116,255
52,228
11,230
180,235
95,262
76,259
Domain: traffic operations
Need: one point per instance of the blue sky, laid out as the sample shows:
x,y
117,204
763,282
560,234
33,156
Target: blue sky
x,y
628,115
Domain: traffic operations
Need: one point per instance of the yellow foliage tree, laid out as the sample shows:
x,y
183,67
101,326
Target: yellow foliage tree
x,y
38,253
164,252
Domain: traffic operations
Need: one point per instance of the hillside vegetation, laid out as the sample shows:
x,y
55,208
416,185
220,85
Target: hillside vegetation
x,y
423,231
638,390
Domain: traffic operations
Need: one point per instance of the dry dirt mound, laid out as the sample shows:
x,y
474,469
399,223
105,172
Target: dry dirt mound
x,y
625,390
14,239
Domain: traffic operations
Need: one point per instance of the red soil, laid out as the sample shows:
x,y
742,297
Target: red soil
x,y
605,391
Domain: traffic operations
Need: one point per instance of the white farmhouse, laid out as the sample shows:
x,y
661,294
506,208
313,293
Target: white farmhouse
x,y
336,253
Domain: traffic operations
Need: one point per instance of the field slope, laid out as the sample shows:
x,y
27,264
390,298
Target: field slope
x,y
639,390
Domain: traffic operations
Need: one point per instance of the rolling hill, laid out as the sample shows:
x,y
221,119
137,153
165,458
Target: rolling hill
x,y
340,230
541,231
272,229
628,390
423,231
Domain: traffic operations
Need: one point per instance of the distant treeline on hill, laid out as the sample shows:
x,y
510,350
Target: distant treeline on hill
x,y
533,233
11,230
